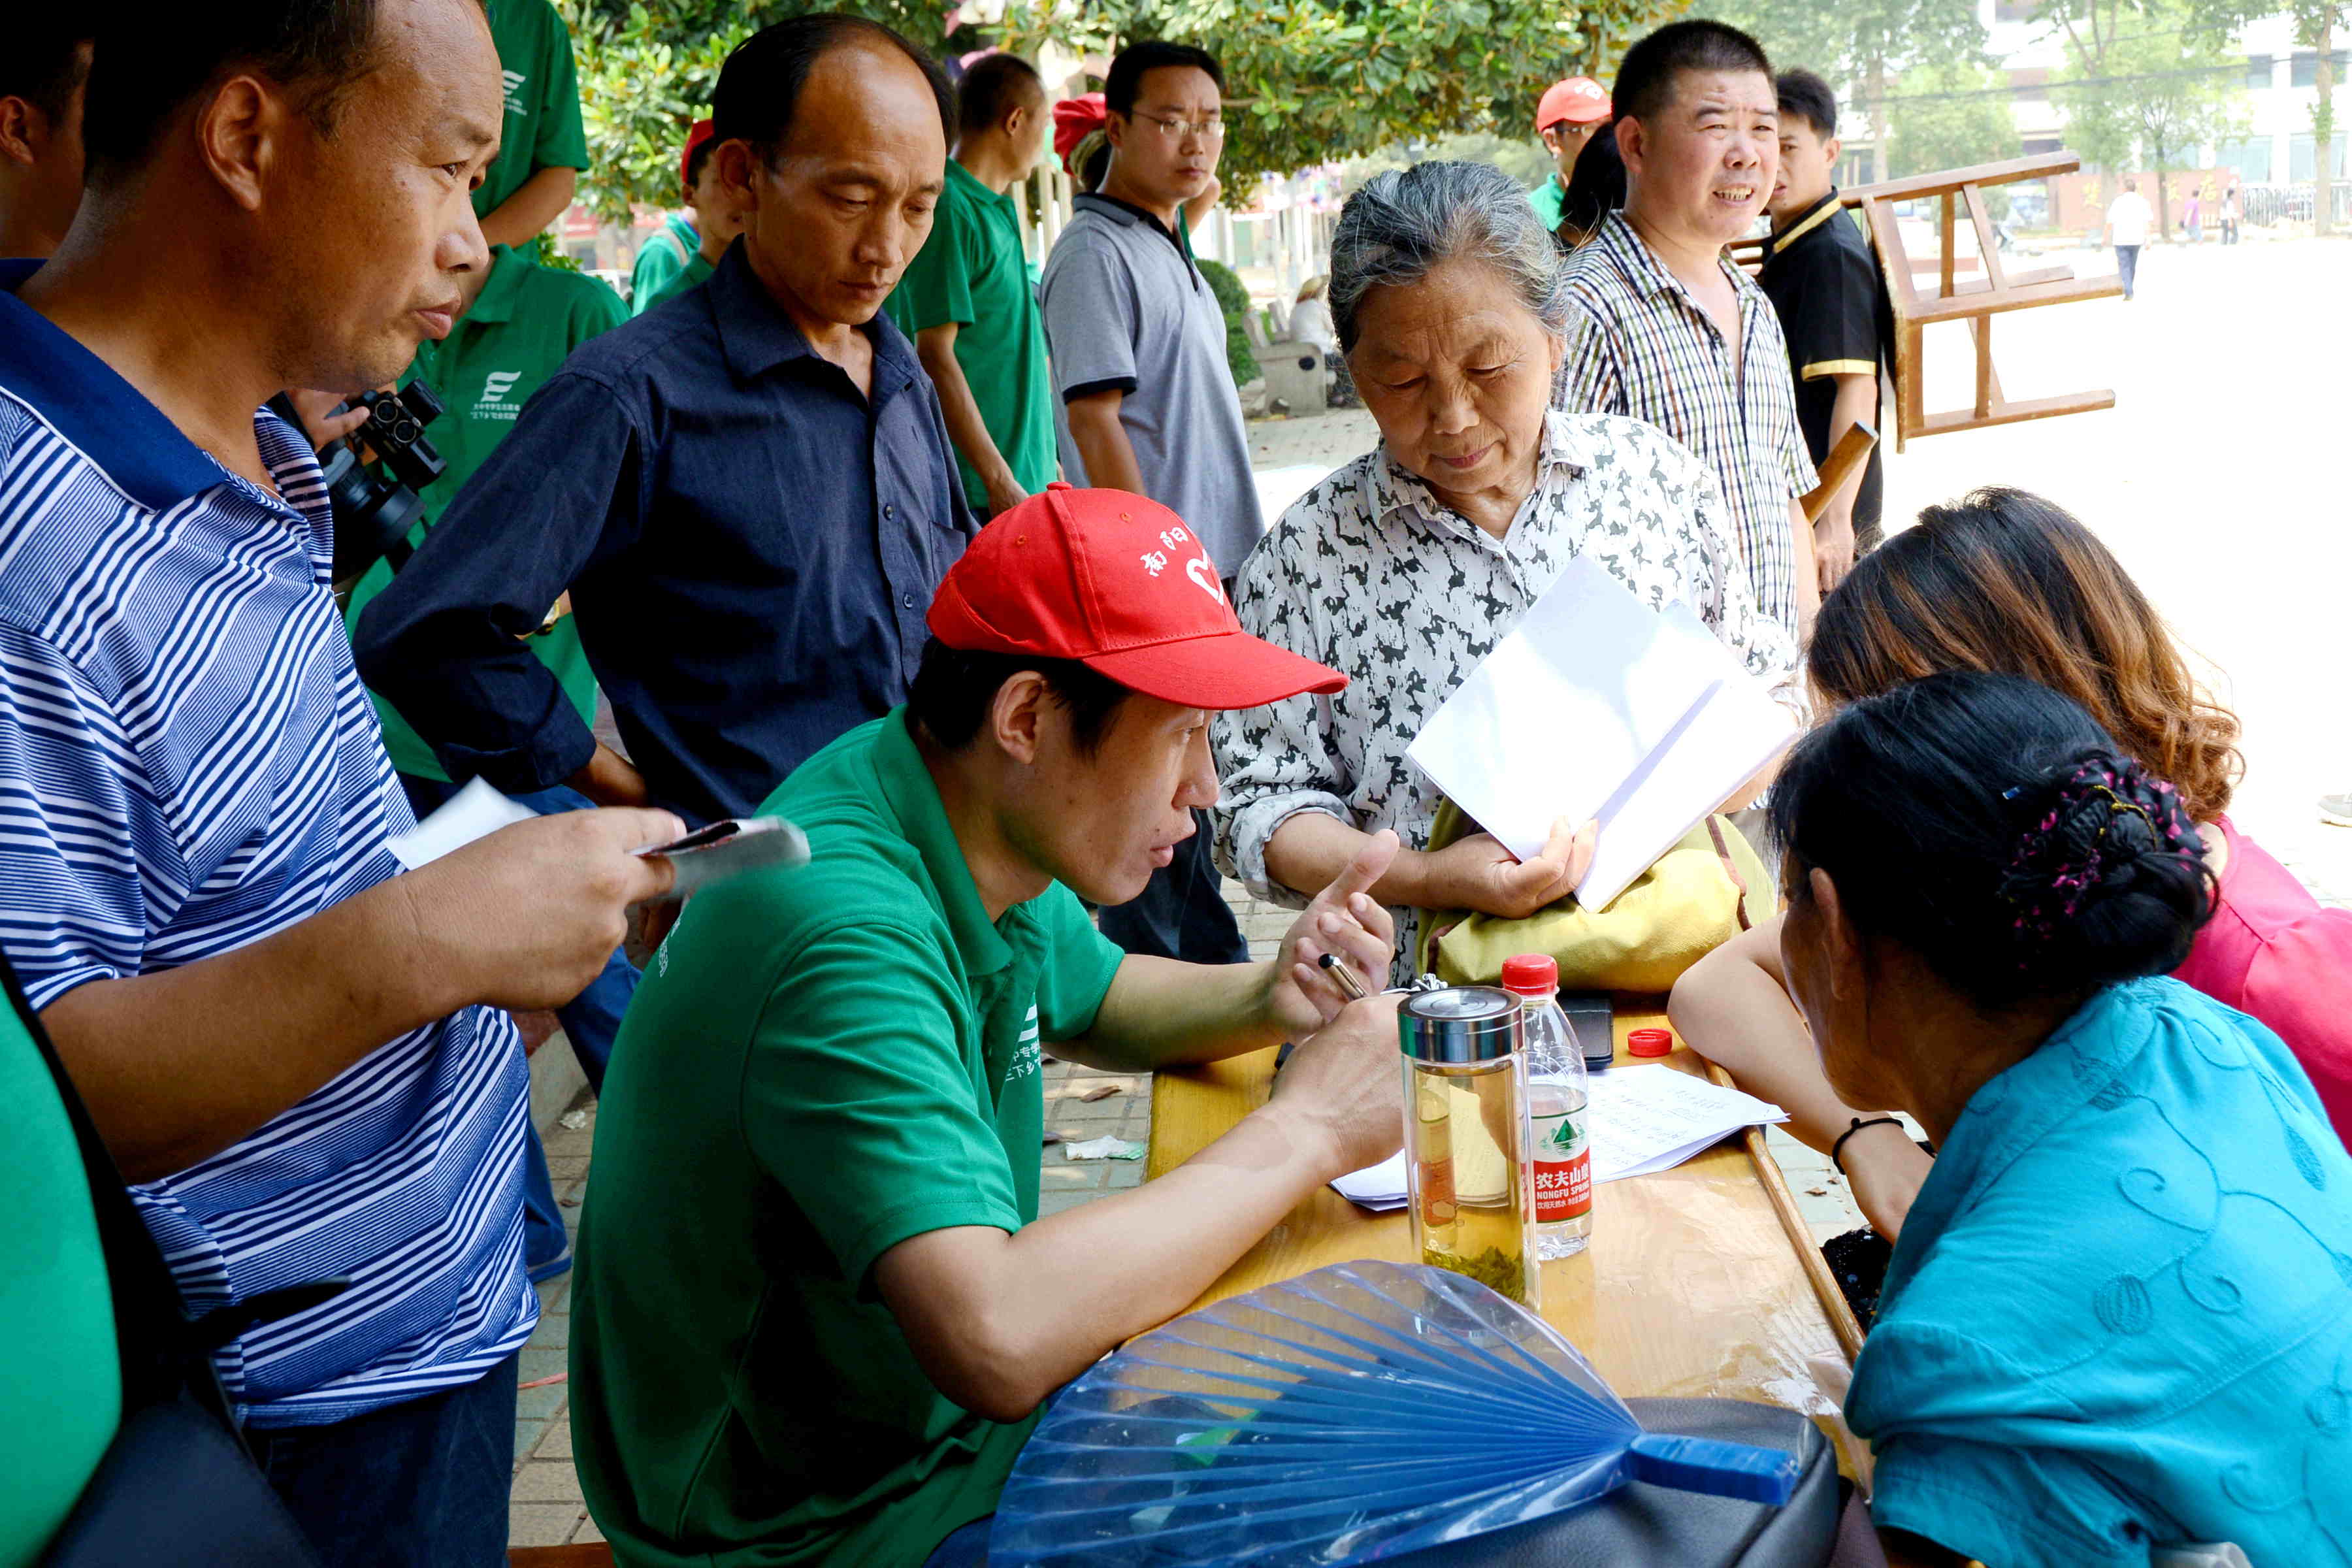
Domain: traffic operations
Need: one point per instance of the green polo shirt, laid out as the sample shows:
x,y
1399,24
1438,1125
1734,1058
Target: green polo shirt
x,y
60,1383
693,275
528,319
1547,198
542,127
973,272
823,1061
667,252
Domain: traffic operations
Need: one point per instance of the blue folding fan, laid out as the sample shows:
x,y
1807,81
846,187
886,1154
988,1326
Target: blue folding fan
x,y
1361,1411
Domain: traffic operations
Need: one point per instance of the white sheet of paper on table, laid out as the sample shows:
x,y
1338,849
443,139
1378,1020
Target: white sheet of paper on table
x,y
1644,1119
1596,706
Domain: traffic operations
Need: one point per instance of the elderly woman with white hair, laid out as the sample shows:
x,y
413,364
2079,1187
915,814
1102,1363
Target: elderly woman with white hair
x,y
1405,567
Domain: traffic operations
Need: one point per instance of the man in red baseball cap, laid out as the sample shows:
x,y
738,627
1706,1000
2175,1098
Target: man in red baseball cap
x,y
685,250
1568,113
817,1307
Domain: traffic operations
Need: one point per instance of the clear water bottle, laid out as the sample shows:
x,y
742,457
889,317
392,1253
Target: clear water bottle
x,y
1559,1121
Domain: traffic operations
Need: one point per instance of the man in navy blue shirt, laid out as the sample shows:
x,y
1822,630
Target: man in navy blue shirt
x,y
748,492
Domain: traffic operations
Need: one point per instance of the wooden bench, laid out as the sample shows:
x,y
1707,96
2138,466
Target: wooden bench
x,y
1925,291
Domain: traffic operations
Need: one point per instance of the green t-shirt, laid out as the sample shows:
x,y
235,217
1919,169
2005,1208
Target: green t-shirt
x,y
668,250
528,319
542,127
1547,198
693,275
60,1383
973,271
822,1062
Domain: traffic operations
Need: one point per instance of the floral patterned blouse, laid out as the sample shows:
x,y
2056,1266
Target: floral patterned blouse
x,y
1369,572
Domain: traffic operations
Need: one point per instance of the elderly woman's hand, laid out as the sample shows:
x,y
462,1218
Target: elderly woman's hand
x,y
1478,874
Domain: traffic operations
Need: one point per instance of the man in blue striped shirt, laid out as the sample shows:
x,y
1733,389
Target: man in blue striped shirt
x,y
282,1039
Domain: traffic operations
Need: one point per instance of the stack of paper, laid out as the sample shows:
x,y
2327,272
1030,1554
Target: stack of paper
x,y
1653,1118
1596,706
1643,1119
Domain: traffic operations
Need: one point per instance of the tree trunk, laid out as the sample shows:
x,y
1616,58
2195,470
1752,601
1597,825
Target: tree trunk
x,y
2163,197
1878,89
2323,128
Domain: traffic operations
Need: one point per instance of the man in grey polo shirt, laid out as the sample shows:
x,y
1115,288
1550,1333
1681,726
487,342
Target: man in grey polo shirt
x,y
1137,342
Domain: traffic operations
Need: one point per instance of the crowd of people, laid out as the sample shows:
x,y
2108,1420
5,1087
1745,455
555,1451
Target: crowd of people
x,y
846,519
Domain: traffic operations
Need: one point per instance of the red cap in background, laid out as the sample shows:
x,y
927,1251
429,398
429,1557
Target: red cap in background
x,y
704,130
1579,98
1073,119
1121,584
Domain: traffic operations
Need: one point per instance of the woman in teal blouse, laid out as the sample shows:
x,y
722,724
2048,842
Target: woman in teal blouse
x,y
2119,1316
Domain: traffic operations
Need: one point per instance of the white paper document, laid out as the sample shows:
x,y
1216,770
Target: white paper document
x,y
1643,1119
474,812
1596,706
1653,1118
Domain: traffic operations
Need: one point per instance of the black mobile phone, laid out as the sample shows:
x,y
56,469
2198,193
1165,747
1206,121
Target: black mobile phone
x,y
1590,1014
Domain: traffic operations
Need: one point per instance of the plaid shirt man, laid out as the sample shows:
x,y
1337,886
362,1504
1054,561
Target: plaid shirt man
x,y
1639,344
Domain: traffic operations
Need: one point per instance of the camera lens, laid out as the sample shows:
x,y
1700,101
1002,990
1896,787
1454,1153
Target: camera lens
x,y
406,431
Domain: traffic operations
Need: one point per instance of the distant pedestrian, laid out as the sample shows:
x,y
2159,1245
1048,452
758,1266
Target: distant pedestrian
x,y
1148,399
1310,315
1567,116
966,298
2229,211
2128,218
2193,220
1668,331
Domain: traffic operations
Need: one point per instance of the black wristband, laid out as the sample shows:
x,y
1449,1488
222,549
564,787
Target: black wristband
x,y
1858,1125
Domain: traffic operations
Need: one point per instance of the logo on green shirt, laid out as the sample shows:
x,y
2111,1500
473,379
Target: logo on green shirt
x,y
514,91
493,403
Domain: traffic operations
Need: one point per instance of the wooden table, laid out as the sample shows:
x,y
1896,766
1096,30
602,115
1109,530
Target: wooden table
x,y
1691,1285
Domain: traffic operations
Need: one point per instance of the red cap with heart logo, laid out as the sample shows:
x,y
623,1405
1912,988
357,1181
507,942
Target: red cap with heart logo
x,y
1124,586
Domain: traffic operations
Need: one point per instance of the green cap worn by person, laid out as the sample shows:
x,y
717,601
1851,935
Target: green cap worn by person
x,y
512,336
816,1309
967,301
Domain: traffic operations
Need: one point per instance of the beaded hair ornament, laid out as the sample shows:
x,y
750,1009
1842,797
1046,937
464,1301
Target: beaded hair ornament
x,y
2072,848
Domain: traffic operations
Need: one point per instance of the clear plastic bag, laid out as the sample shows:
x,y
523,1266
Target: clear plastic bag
x,y
1361,1411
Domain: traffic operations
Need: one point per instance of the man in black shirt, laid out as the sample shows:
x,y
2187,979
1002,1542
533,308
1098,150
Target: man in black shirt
x,y
1823,279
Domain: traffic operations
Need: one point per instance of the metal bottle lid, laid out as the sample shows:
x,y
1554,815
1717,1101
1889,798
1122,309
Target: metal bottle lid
x,y
1461,1024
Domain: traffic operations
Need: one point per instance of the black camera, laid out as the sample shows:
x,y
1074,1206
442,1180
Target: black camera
x,y
376,497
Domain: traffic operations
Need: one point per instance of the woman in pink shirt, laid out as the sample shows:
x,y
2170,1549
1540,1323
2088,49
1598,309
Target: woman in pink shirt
x,y
2007,583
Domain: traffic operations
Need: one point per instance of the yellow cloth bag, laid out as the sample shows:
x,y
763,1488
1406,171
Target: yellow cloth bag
x,y
1706,889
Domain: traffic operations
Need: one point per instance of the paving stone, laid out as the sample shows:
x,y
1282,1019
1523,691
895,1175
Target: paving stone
x,y
554,1330
548,1480
528,1435
539,1403
543,1523
543,1361
557,1445
588,1530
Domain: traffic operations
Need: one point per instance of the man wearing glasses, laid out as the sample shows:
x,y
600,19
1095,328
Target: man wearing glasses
x,y
1136,343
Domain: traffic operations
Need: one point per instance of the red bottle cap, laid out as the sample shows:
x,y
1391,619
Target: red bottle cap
x,y
1530,974
1649,1042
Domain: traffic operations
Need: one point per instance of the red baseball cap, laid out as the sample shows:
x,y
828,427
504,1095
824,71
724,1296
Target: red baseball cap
x,y
1580,99
1121,584
704,130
